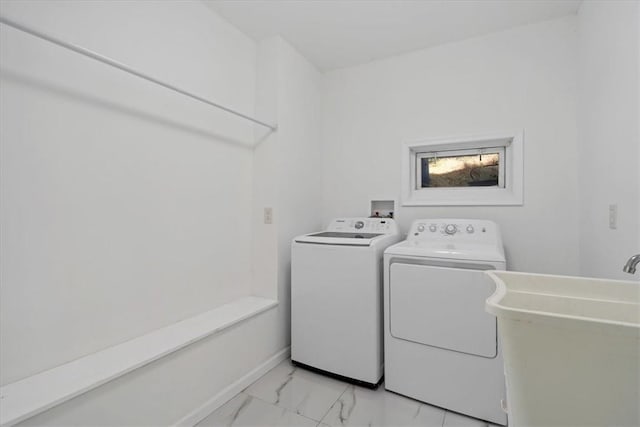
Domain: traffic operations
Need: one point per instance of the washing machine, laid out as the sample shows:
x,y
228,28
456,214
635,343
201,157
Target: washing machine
x,y
336,298
441,347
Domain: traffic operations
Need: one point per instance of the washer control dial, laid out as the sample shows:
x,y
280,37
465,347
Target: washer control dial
x,y
359,225
421,228
450,229
433,228
470,229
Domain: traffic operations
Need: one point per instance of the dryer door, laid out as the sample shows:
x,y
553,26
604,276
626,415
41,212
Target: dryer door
x,y
442,307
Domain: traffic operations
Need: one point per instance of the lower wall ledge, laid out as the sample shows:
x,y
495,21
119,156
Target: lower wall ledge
x,y
35,394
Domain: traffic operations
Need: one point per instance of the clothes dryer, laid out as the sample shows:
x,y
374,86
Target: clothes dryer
x,y
441,347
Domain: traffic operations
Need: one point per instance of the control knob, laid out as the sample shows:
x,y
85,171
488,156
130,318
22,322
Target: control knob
x,y
433,228
421,228
359,225
470,229
450,229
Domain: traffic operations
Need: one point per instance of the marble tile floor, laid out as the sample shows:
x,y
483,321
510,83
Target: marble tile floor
x,y
292,396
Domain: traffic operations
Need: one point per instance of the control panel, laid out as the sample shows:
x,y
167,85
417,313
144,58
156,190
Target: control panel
x,y
364,225
442,229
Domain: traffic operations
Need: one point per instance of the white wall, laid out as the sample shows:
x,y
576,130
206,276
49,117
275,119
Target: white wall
x,y
117,213
298,165
287,168
126,207
265,236
609,135
522,78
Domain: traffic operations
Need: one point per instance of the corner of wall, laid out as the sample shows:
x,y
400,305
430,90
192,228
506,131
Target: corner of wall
x,y
608,122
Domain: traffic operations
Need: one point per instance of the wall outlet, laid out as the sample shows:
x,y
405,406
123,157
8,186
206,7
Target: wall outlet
x,y
268,215
613,217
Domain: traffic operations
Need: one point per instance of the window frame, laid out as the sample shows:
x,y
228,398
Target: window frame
x,y
512,170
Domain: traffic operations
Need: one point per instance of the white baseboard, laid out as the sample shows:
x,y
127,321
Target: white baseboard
x,y
200,413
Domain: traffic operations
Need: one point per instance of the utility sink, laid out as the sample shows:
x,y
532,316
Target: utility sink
x,y
571,349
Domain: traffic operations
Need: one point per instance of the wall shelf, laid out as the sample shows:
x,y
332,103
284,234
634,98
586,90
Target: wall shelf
x,y
35,394
123,67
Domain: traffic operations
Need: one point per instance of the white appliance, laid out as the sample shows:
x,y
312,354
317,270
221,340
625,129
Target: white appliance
x,y
336,298
441,347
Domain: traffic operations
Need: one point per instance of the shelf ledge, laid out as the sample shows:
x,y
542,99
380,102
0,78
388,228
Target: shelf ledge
x,y
35,394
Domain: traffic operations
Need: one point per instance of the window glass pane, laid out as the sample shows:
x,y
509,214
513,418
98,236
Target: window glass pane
x,y
477,170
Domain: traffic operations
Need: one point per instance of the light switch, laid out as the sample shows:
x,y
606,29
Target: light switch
x,y
613,217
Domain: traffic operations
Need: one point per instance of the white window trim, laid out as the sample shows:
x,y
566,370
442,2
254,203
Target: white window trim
x,y
511,195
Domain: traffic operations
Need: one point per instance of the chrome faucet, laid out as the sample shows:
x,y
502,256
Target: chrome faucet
x,y
630,266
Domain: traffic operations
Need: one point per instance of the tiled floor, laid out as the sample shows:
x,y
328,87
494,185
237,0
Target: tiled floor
x,y
291,396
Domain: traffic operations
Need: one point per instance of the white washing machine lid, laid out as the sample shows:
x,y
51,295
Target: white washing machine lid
x,y
353,232
339,238
450,251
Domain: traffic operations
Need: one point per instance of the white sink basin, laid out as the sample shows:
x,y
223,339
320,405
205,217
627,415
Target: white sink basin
x,y
571,349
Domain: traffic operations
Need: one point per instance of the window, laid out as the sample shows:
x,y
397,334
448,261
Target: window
x,y
471,170
461,168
